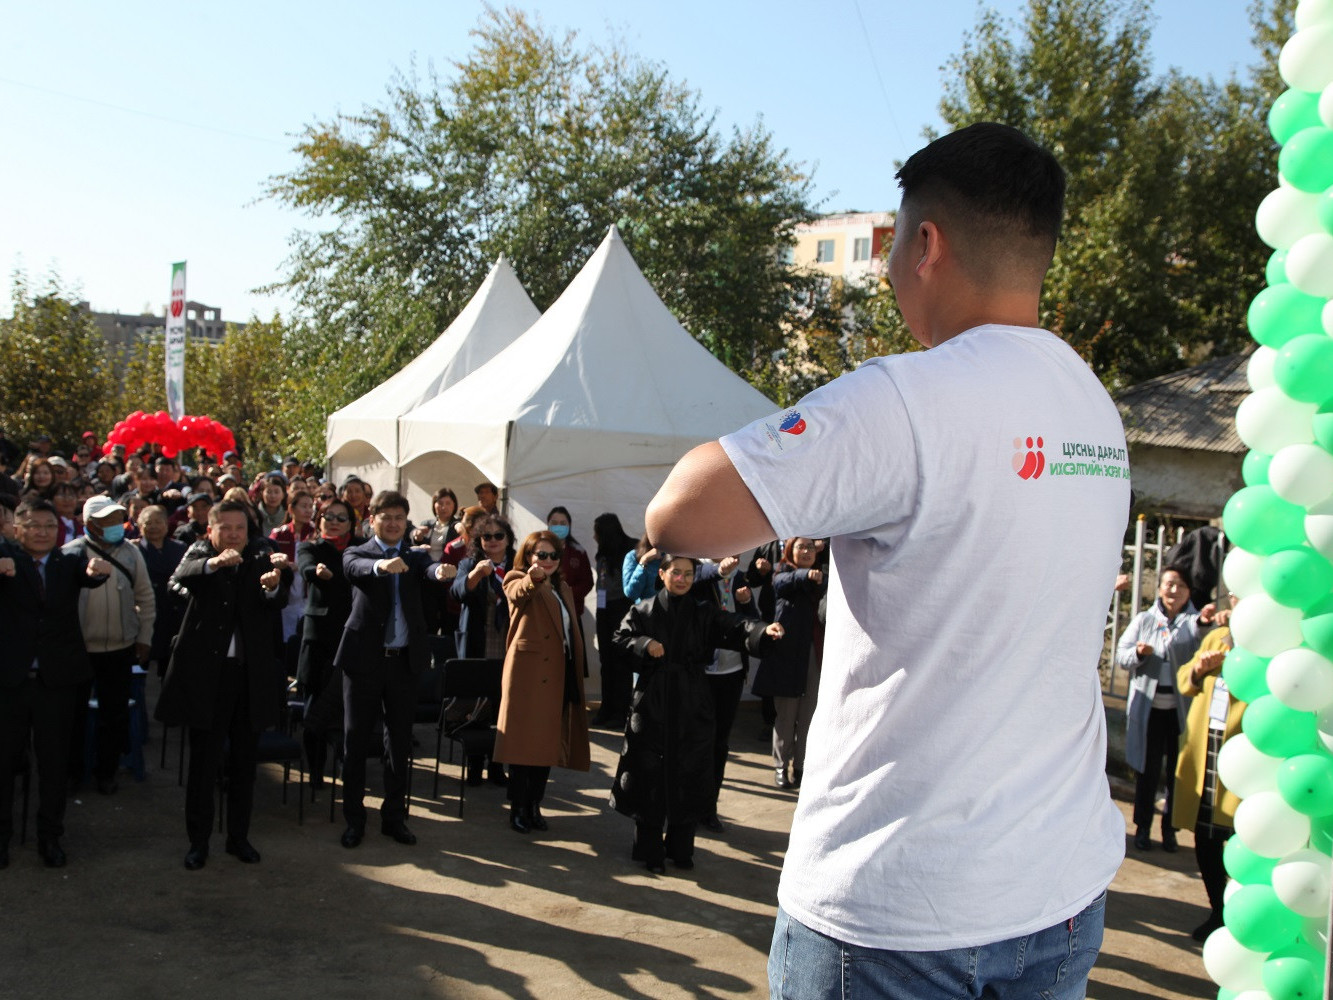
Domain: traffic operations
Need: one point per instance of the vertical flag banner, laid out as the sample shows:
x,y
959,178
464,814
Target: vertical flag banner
x,y
175,344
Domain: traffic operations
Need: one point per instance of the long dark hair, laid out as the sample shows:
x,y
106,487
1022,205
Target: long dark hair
x,y
569,539
489,523
612,542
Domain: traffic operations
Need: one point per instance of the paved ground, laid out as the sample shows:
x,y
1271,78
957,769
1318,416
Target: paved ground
x,y
473,910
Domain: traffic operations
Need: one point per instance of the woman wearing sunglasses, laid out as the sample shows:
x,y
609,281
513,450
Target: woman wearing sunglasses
x,y
319,562
543,723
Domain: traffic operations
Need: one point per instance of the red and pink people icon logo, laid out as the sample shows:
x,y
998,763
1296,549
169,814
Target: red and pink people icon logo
x,y
1028,460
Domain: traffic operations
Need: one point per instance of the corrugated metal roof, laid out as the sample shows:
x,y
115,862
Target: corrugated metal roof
x,y
1194,408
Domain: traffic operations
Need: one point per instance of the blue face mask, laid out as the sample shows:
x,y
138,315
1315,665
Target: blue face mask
x,y
114,535
561,531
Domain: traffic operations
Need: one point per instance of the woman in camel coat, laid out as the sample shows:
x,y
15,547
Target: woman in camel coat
x,y
543,722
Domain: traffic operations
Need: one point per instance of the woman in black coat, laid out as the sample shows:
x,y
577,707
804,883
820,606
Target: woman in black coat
x,y
790,674
161,555
612,606
328,602
665,774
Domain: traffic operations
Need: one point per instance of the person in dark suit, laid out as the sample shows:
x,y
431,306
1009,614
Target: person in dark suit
x,y
224,680
42,663
328,603
384,648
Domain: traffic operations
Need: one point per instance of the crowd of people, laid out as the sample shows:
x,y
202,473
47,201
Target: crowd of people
x,y
247,594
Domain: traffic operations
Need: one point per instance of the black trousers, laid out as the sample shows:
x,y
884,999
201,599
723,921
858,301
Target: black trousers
x,y
1209,841
1163,746
727,690
385,689
112,673
231,736
617,682
47,713
650,846
527,784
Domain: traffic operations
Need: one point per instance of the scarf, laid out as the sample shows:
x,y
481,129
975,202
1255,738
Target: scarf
x,y
340,542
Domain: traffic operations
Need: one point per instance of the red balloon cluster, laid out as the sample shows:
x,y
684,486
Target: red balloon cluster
x,y
174,436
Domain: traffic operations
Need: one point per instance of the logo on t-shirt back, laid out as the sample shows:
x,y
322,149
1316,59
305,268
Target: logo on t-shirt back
x,y
1029,461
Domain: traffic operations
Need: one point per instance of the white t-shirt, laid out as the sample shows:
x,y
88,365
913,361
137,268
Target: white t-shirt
x,y
955,791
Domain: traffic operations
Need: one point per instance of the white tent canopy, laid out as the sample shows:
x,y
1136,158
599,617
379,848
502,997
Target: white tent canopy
x,y
363,437
589,408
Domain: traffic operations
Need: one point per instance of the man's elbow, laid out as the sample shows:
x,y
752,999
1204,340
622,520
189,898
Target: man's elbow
x,y
666,524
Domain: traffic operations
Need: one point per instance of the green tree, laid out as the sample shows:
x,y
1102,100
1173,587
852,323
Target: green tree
x,y
58,378
1158,259
533,147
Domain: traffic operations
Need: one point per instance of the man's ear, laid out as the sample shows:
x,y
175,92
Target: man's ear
x,y
930,242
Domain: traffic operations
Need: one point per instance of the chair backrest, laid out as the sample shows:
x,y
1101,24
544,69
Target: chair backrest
x,y
474,678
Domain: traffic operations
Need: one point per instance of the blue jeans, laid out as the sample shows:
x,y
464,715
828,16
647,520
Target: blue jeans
x,y
1053,964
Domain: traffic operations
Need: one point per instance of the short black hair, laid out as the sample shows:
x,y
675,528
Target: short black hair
x,y
35,507
227,507
996,185
387,499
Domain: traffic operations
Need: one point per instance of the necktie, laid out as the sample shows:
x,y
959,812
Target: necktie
x,y
41,579
390,631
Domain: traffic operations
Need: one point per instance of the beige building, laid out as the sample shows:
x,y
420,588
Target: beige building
x,y
848,245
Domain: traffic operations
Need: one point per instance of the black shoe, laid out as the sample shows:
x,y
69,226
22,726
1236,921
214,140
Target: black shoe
x,y
1141,841
474,776
1169,841
1206,928
536,820
780,779
518,820
657,867
713,823
796,778
684,864
352,836
498,776
397,829
196,857
243,850
107,786
51,853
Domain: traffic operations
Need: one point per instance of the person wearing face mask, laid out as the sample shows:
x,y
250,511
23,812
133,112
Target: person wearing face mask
x,y
575,566
117,622
1153,648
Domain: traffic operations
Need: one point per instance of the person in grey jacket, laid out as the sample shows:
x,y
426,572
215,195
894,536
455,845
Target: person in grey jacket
x,y
1153,647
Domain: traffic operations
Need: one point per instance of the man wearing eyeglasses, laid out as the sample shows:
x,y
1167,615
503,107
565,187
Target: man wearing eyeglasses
x,y
42,663
384,648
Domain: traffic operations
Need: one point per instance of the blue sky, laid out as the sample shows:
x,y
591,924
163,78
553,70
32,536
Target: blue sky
x,y
136,134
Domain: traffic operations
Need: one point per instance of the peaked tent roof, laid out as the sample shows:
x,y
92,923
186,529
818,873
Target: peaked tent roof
x,y
606,379
498,312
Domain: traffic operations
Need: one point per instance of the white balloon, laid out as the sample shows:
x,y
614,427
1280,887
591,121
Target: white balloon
x,y
1230,889
1310,264
1301,881
1265,627
1285,215
1312,12
1326,316
1268,826
1304,62
1326,106
1324,723
1316,930
1254,995
1231,965
1301,679
1269,420
1302,473
1241,571
1244,769
1319,527
1259,369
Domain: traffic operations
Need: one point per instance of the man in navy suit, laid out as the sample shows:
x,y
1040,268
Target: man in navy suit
x,y
384,648
42,663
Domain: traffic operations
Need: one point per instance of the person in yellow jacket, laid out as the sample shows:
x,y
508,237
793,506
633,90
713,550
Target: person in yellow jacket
x,y
1202,802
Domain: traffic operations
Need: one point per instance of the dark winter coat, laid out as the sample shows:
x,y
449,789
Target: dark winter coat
x,y
782,671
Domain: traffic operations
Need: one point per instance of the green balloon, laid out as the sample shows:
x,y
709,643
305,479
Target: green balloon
x,y
1277,730
1280,312
1275,271
1292,111
1305,782
1254,468
1297,577
1303,368
1245,866
1292,978
1321,834
1258,920
1323,211
1246,674
1307,159
1317,628
1260,521
1323,427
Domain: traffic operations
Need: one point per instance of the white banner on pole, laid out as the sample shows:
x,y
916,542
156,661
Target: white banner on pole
x,y
175,344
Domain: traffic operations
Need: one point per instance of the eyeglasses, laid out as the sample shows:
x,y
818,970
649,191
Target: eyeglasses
x,y
494,536
681,574
336,517
547,555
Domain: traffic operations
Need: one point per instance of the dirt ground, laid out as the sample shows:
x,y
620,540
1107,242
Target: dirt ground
x,y
473,910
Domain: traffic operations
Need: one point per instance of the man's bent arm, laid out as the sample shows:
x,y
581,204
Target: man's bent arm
x,y
705,509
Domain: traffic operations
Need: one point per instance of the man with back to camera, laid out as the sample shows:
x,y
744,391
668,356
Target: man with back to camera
x,y
955,834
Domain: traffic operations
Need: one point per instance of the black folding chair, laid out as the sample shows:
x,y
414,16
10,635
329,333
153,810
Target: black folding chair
x,y
463,680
